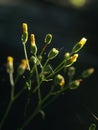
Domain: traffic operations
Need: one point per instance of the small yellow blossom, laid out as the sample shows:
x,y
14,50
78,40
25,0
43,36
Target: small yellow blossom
x,y
25,27
33,45
59,80
10,64
71,60
62,82
22,67
86,73
74,58
78,46
32,39
10,60
23,64
82,41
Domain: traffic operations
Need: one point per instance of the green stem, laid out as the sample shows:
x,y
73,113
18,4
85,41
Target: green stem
x,y
31,117
11,100
19,93
25,52
56,70
38,83
55,95
12,85
43,50
48,95
5,114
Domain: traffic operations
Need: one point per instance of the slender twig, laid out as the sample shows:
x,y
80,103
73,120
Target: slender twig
x,y
25,52
11,100
6,114
38,83
37,109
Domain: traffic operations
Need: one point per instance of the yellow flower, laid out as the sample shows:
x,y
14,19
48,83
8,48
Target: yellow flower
x,y
74,58
32,40
82,41
59,80
62,82
23,64
78,46
24,36
86,73
33,45
10,64
25,27
71,60
22,67
10,60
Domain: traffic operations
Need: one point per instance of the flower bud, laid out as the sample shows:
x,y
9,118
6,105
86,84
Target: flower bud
x,y
59,80
33,60
67,55
25,28
24,37
48,38
74,84
53,53
33,45
71,71
71,60
10,68
22,67
79,45
87,73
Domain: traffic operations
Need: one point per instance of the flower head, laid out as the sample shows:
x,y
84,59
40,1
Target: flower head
x,y
88,72
33,45
25,27
32,40
22,67
74,58
59,80
53,53
24,37
10,64
71,60
79,45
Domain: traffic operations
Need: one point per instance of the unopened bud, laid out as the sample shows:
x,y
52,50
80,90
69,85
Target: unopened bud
x,y
33,45
88,72
24,37
67,55
71,71
59,80
48,38
79,45
22,67
53,53
25,27
10,68
32,40
33,60
74,84
71,60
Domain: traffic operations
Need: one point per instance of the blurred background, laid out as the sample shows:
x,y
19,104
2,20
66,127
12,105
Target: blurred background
x,y
68,21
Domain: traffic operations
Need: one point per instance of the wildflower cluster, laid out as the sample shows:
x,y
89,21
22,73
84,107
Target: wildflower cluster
x,y
40,71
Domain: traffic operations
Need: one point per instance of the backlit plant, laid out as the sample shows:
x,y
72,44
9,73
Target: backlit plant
x,y
37,71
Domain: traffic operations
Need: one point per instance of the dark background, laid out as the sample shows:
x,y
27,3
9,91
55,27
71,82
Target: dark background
x,y
68,24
